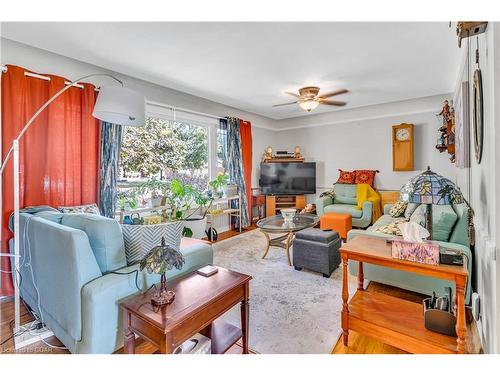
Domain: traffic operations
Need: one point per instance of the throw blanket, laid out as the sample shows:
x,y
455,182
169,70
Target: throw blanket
x,y
364,193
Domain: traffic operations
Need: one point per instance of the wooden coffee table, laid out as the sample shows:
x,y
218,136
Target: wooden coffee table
x,y
199,302
392,320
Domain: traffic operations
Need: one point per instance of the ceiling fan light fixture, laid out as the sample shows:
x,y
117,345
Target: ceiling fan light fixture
x,y
308,104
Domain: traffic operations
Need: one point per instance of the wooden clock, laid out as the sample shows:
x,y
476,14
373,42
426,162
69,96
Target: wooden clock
x,y
402,147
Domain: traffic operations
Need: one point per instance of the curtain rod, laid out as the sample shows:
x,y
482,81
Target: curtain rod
x,y
4,69
174,108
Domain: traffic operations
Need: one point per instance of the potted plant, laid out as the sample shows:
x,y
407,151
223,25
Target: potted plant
x,y
220,186
182,199
157,190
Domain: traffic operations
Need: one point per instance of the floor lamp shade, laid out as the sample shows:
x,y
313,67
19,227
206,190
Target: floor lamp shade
x,y
120,105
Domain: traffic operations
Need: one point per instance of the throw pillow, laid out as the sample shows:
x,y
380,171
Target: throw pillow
x,y
392,228
410,209
418,216
365,176
83,209
398,209
346,177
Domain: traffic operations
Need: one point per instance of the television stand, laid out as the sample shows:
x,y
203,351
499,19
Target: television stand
x,y
274,203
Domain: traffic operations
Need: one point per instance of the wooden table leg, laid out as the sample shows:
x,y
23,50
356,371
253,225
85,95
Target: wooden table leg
x,y
128,336
245,307
361,276
345,305
460,327
166,344
268,240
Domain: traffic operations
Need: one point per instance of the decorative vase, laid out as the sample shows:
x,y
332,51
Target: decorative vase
x,y
197,224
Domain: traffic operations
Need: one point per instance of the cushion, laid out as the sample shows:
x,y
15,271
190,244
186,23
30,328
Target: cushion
x,y
418,215
345,194
317,235
85,208
53,216
410,209
365,176
105,238
398,209
139,239
443,221
460,233
350,209
391,228
346,177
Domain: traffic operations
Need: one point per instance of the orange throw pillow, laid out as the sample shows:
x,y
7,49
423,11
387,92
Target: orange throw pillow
x,y
346,177
365,176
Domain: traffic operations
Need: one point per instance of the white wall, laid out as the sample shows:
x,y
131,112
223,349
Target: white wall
x,y
483,181
367,144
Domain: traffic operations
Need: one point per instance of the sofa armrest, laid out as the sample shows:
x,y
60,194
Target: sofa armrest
x,y
62,262
321,203
387,208
367,209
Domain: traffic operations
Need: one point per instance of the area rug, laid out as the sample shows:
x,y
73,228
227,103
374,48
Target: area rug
x,y
290,311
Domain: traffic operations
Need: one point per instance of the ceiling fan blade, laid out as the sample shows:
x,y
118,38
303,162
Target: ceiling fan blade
x,y
333,93
293,94
280,105
332,102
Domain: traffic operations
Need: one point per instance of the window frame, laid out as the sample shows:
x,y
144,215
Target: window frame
x,y
211,124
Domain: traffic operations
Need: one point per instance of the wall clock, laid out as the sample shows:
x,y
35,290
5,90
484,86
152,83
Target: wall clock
x,y
477,123
402,147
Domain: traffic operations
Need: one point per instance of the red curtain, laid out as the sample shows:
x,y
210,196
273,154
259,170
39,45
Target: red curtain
x,y
59,154
246,155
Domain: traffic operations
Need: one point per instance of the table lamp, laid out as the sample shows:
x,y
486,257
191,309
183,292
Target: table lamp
x,y
159,260
430,188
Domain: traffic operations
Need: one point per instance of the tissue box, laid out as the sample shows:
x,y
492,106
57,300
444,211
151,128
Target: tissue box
x,y
420,252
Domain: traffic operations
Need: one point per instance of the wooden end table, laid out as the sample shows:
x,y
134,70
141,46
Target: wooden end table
x,y
199,301
392,320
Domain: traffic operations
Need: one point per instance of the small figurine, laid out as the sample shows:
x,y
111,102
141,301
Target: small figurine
x,y
297,153
268,154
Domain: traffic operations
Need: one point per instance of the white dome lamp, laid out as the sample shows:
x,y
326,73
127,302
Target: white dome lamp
x,y
120,105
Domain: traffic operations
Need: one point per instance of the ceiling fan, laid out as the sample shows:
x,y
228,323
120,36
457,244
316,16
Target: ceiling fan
x,y
309,98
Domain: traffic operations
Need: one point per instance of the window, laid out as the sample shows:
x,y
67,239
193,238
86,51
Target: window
x,y
188,149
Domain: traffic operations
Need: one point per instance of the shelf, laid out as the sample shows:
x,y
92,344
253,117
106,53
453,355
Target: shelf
x,y
396,322
225,212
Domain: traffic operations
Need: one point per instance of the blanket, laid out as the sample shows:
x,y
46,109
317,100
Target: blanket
x,y
364,193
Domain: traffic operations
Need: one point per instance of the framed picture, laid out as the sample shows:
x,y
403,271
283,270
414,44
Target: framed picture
x,y
477,118
462,134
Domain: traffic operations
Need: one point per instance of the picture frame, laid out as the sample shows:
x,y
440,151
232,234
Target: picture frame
x,y
477,116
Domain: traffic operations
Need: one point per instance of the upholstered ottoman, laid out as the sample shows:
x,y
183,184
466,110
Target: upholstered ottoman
x,y
317,250
341,223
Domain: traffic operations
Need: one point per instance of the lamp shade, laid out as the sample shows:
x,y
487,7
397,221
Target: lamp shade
x,y
308,105
431,188
120,105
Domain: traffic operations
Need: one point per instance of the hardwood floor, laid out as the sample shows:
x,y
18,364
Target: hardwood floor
x,y
358,343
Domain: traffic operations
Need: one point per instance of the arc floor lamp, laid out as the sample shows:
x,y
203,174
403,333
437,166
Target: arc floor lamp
x,y
115,104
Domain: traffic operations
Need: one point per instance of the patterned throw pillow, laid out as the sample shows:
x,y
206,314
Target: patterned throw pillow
x,y
410,209
365,176
398,209
83,209
346,177
392,228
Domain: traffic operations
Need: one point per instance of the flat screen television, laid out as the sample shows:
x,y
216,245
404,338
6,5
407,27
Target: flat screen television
x,y
288,178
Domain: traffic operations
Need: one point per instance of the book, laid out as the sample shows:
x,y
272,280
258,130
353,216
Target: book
x,y
207,271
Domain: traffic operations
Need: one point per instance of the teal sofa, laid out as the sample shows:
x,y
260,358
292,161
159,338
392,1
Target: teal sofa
x,y
457,240
81,275
346,202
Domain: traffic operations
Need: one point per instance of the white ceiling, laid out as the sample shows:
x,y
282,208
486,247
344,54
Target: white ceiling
x,y
250,65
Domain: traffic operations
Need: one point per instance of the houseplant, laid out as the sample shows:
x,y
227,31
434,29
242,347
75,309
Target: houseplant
x,y
220,186
183,201
157,190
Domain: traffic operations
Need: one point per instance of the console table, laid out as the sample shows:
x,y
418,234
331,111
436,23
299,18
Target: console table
x,y
392,320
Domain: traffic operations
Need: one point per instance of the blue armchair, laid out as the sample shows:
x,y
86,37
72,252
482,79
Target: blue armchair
x,y
346,202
